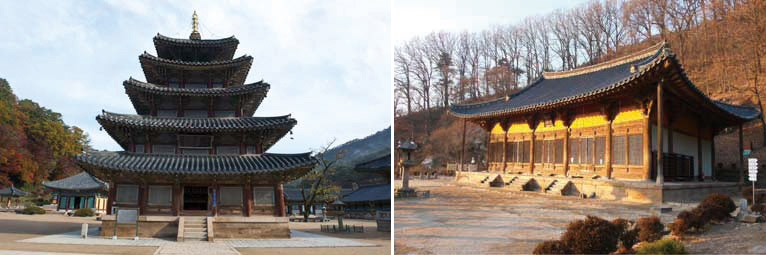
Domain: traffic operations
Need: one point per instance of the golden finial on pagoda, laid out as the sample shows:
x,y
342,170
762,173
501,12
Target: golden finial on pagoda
x,y
194,21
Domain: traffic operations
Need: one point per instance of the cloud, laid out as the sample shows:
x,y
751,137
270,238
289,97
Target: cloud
x,y
328,61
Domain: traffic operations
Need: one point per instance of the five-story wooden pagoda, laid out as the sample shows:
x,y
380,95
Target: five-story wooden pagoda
x,y
193,148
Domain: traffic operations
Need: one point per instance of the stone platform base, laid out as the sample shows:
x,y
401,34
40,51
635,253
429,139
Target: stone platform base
x,y
225,227
619,190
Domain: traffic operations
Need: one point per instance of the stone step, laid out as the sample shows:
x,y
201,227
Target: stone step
x,y
188,230
195,235
195,225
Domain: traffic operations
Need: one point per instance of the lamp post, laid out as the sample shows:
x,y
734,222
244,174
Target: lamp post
x,y
406,147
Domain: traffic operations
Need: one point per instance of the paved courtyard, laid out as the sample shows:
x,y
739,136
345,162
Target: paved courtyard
x,y
460,219
59,235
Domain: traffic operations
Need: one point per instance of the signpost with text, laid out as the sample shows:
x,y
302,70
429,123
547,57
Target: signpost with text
x,y
752,172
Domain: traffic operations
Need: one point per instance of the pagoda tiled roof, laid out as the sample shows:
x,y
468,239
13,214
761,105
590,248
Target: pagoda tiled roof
x,y
266,163
256,87
159,38
557,89
199,125
79,182
149,63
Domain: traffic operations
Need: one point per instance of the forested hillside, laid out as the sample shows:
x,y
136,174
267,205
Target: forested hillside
x,y
721,43
35,144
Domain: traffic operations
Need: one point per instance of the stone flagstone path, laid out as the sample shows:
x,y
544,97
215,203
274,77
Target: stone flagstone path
x,y
299,240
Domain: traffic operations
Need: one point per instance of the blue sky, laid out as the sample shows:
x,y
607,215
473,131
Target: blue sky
x,y
419,18
328,62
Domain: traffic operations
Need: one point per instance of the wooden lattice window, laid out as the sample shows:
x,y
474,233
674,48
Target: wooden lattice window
x,y
635,151
558,150
600,150
231,195
618,149
510,152
525,151
127,193
195,141
263,195
160,195
574,151
538,151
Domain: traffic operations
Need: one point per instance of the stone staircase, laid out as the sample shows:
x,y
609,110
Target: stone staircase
x,y
557,187
485,179
195,228
518,184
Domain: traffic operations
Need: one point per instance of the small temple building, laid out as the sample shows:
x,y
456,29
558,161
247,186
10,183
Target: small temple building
x,y
11,196
634,128
366,200
194,163
79,191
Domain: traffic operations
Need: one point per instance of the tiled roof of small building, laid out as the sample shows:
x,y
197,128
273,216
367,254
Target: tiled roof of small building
x,y
78,182
197,164
555,89
257,87
294,194
12,192
212,124
378,192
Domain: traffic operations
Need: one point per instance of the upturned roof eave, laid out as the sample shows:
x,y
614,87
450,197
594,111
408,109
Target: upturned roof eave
x,y
259,87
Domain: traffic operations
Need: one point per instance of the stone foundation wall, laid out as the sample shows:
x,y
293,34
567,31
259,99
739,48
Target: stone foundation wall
x,y
145,229
629,191
251,230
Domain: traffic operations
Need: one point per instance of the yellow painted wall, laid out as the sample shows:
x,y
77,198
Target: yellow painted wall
x,y
519,128
497,129
629,115
589,121
557,125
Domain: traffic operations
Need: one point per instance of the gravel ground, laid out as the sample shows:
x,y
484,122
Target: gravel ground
x,y
459,219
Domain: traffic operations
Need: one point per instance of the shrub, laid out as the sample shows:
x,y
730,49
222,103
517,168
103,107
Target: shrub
x,y
649,229
628,239
718,205
34,210
680,225
621,224
665,246
592,235
552,247
84,212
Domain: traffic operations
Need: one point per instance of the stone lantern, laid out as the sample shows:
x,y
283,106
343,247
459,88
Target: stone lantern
x,y
406,147
337,209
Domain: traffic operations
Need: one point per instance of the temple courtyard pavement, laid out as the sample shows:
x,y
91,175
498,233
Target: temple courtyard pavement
x,y
463,219
56,234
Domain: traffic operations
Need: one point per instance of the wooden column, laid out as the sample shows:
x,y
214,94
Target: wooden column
x,y
647,129
712,152
608,150
217,204
566,151
177,199
462,149
505,148
142,192
700,172
660,177
532,154
280,196
741,167
248,206
180,112
110,198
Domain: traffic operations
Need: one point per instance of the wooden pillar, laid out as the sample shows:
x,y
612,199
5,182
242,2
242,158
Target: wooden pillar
x,y
180,112
462,149
647,160
280,196
566,151
608,150
741,167
248,190
532,154
177,199
142,192
110,198
700,172
712,153
505,148
660,177
217,191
